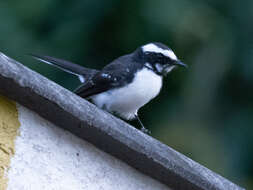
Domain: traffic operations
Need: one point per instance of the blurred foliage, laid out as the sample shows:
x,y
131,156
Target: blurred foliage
x,y
205,112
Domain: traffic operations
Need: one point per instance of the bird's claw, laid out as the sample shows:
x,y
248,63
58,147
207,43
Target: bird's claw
x,y
144,130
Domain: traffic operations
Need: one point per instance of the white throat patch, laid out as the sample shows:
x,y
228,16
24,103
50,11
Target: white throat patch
x,y
153,48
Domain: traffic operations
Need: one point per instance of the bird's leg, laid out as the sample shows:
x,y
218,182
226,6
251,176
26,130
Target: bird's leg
x,y
143,129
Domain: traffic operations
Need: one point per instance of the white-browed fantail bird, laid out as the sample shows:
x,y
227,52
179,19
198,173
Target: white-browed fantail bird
x,y
127,83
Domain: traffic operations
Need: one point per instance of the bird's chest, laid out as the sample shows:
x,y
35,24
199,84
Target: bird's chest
x,y
145,86
128,99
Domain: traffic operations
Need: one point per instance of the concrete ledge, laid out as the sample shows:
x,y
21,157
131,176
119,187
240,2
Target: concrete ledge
x,y
105,131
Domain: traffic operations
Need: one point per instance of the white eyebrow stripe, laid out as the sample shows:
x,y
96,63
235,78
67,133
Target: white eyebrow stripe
x,y
170,54
155,49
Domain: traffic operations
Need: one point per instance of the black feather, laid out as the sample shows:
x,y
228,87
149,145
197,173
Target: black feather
x,y
66,66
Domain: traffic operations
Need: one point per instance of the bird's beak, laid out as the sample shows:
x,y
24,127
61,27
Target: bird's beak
x,y
169,67
181,64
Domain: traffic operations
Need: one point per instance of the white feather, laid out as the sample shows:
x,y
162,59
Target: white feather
x,y
127,100
81,78
153,48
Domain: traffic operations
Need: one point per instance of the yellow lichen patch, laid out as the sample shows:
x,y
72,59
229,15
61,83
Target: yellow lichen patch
x,y
9,126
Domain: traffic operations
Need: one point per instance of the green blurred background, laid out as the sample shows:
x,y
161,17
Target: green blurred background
x,y
204,112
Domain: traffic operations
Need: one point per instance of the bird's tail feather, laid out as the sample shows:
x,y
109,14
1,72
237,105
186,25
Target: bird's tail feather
x,y
67,66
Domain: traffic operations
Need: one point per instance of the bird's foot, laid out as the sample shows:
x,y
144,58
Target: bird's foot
x,y
144,130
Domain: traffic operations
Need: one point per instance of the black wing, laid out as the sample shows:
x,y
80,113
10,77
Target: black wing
x,y
117,74
99,83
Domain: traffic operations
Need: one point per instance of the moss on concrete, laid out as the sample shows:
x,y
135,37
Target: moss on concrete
x,y
9,125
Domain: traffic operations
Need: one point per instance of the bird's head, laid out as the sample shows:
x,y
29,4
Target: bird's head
x,y
159,58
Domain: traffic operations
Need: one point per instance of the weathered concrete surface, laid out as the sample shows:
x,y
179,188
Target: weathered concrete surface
x,y
106,132
50,158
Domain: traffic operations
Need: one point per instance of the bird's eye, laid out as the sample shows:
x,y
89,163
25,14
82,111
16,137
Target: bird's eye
x,y
160,58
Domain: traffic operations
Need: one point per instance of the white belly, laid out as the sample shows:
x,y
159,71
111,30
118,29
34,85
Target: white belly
x,y
126,101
